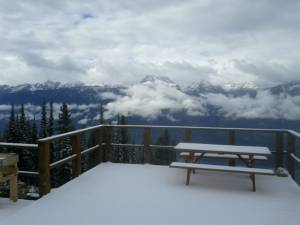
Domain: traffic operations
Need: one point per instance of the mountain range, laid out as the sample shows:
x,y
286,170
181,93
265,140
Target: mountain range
x,y
159,100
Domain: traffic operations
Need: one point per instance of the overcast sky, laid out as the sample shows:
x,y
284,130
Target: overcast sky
x,y
121,41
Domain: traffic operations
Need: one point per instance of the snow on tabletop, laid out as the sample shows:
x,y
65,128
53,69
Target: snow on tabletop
x,y
232,149
112,194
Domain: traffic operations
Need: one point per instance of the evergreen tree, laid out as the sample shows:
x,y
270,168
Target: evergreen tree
x,y
33,132
117,150
101,114
64,122
63,148
43,123
17,122
120,136
11,130
23,131
85,159
50,127
124,140
51,120
132,152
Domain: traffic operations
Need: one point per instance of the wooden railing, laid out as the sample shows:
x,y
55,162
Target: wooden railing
x,y
104,145
20,146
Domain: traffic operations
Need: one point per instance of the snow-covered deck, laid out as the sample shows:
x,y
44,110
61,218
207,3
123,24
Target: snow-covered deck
x,y
113,194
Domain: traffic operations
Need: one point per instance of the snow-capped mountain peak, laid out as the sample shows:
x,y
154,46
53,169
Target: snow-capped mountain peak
x,y
153,79
48,85
201,84
203,87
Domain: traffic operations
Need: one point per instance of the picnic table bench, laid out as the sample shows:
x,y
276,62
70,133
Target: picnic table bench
x,y
9,171
196,151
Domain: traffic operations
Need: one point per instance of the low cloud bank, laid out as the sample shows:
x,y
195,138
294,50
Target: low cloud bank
x,y
264,106
152,100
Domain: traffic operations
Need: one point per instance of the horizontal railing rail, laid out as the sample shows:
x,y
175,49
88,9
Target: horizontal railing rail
x,y
296,134
28,173
199,128
19,146
69,134
62,161
285,146
297,159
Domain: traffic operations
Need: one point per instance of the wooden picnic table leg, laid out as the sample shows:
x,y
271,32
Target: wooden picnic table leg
x,y
188,176
250,163
196,159
191,160
252,175
191,157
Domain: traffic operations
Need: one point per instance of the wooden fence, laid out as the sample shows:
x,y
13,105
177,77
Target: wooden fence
x,y
285,143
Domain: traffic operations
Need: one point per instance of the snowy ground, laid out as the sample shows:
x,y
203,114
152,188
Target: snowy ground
x,y
112,194
9,208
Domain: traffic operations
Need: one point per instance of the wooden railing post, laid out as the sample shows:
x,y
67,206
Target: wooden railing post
x,y
147,142
99,153
231,141
187,135
76,149
279,149
291,150
44,167
231,137
107,154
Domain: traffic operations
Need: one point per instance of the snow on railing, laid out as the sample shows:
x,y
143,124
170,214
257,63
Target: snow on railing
x,y
18,145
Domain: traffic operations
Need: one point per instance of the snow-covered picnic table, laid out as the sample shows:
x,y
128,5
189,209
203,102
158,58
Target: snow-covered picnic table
x,y
247,154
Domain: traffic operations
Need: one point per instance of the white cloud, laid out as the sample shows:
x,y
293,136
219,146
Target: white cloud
x,y
108,95
83,121
4,116
5,107
119,41
152,100
264,105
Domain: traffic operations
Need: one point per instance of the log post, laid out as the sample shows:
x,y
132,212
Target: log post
x,y
97,140
291,149
231,137
279,149
44,167
99,153
76,149
107,154
187,135
231,141
13,183
147,142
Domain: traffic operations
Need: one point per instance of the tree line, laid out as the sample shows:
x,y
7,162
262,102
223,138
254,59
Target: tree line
x,y
23,129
